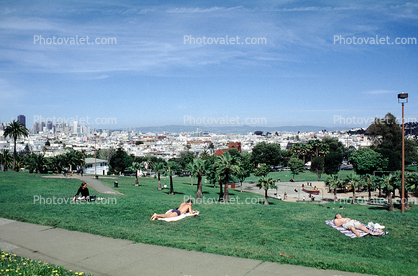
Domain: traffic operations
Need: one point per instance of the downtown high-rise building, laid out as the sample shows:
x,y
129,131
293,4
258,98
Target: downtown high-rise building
x,y
22,119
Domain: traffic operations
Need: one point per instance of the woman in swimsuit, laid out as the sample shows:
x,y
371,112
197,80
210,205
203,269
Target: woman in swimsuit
x,y
184,208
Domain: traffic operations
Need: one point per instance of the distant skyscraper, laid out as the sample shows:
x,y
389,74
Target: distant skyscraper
x,y
22,119
35,127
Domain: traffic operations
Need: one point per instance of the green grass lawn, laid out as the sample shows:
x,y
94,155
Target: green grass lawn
x,y
248,229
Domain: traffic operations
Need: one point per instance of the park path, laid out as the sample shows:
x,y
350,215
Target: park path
x,y
97,185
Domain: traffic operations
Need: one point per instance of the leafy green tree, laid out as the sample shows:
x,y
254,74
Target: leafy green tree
x,y
269,154
296,166
266,183
411,185
120,161
317,165
244,168
332,162
334,145
262,170
106,154
314,146
14,130
366,160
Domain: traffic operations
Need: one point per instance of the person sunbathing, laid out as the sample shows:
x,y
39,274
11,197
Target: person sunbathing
x,y
184,208
353,225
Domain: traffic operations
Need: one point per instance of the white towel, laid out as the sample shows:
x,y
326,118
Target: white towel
x,y
182,216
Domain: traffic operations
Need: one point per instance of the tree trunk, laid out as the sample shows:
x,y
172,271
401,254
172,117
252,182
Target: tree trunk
x,y
354,195
370,192
14,155
159,182
406,201
390,202
136,178
171,185
226,192
335,194
199,187
221,193
191,180
266,201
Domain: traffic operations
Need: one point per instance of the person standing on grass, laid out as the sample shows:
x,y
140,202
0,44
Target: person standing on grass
x,y
184,208
83,190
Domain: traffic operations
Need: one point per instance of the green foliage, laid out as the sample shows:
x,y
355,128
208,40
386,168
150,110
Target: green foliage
x,y
10,264
262,170
317,165
296,166
366,160
266,183
332,162
120,161
269,154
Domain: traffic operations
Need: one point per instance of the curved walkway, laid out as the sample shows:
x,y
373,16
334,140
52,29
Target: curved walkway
x,y
99,255
97,185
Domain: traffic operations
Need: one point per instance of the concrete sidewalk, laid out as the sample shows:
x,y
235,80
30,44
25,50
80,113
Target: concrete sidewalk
x,y
99,255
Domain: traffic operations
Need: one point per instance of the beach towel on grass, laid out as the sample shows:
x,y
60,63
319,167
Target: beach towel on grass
x,y
349,233
182,216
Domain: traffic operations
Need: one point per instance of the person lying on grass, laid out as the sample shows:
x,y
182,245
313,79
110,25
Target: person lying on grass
x,y
184,208
353,225
83,191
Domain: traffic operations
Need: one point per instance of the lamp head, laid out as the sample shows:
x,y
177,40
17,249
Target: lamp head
x,y
402,97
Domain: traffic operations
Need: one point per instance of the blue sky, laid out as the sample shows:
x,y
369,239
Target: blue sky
x,y
151,77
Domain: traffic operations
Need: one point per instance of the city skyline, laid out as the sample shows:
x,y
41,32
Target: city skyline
x,y
259,64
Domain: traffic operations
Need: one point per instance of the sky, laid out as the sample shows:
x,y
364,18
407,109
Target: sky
x,y
213,63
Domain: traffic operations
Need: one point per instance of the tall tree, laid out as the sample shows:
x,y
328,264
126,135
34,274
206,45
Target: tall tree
x,y
171,169
270,154
160,168
244,168
120,161
317,166
226,168
197,169
14,130
387,182
135,167
296,166
366,160
353,180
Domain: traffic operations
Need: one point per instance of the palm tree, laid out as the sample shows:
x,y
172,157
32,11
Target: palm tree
x,y
411,184
266,183
135,167
296,148
171,168
6,159
371,182
387,182
14,130
197,168
353,180
334,182
226,167
160,168
57,163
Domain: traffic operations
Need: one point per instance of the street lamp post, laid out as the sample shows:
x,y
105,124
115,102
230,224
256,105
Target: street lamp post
x,y
403,98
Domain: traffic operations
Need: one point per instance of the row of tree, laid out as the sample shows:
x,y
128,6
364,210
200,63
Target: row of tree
x,y
39,163
389,183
